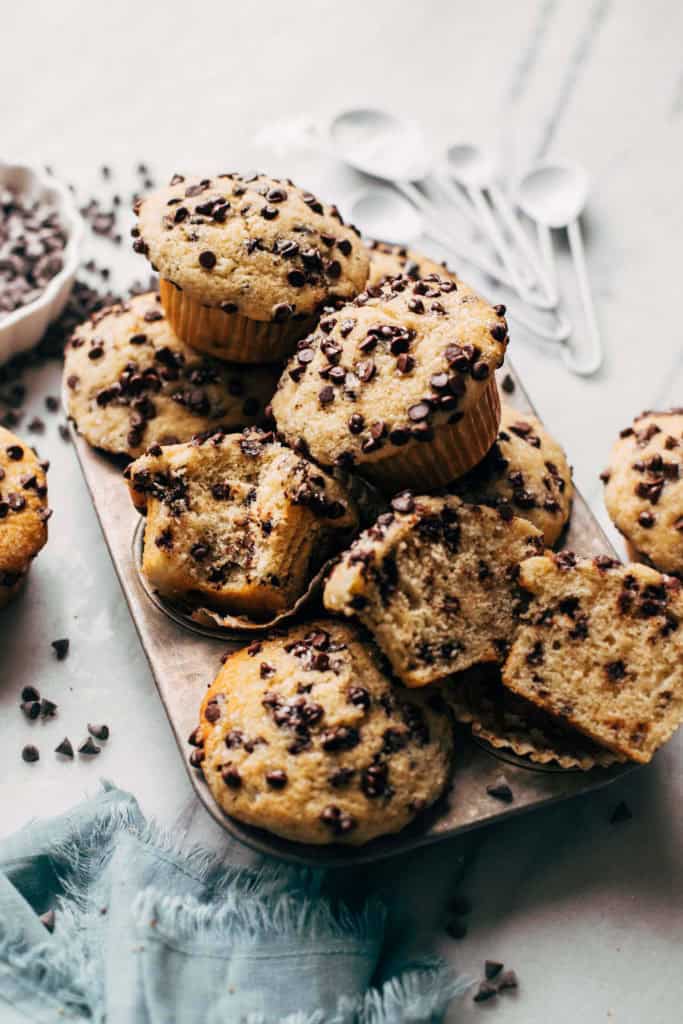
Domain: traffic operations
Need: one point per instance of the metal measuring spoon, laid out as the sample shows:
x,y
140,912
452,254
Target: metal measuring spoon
x,y
378,143
383,213
554,195
474,168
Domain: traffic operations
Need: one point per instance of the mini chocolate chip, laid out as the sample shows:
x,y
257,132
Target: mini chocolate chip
x,y
31,708
492,968
647,520
500,791
405,363
276,779
100,732
508,979
508,384
418,412
403,502
296,278
30,693
61,648
356,423
326,395
485,991
48,709
30,753
15,452
65,748
622,812
207,259
89,747
231,777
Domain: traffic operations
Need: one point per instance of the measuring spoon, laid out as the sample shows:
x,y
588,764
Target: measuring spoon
x,y
554,195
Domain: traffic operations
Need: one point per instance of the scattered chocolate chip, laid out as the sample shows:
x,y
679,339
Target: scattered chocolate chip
x,y
31,708
30,753
48,709
508,384
622,812
30,693
231,777
65,748
100,732
492,968
61,648
485,992
500,791
89,747
507,980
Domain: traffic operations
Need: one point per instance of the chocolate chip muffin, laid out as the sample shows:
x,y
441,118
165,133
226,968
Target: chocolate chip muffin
x,y
601,648
130,382
644,488
246,263
237,521
525,472
388,260
398,383
23,512
304,735
435,582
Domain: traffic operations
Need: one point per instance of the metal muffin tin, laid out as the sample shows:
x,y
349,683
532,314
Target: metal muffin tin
x,y
185,657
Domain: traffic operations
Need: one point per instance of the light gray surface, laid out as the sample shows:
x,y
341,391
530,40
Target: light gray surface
x,y
589,914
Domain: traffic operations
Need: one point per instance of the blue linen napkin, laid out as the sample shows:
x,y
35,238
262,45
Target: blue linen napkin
x,y
145,932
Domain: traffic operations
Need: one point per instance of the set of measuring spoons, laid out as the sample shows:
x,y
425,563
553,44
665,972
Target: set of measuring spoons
x,y
552,196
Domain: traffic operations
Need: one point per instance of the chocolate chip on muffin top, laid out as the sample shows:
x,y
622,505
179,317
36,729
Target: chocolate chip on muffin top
x,y
253,244
387,369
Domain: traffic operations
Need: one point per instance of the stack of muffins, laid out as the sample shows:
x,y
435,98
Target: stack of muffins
x,y
347,363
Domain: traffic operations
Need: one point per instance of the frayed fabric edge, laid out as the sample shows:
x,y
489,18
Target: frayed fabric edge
x,y
421,994
287,917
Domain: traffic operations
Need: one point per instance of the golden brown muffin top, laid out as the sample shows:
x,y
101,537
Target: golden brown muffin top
x,y
255,245
389,368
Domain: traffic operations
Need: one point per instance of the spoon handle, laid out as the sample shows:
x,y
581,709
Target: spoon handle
x,y
501,245
432,229
507,214
593,361
457,199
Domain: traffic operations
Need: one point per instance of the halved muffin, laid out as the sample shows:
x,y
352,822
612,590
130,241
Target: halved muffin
x,y
435,582
237,521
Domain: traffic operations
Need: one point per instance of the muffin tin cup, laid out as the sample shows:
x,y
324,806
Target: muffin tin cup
x,y
455,448
230,336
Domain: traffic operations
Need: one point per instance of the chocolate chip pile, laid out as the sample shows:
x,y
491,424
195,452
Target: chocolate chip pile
x,y
32,243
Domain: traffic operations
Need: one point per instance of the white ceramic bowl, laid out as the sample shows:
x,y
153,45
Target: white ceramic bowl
x,y
24,327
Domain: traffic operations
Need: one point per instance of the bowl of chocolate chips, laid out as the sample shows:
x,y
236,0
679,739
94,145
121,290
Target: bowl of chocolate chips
x,y
40,241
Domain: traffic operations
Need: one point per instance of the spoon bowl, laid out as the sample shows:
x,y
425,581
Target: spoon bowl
x,y
378,143
385,214
554,194
470,165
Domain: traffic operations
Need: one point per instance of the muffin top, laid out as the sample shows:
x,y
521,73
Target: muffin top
x,y
387,260
131,382
388,369
644,487
23,507
305,735
526,471
256,245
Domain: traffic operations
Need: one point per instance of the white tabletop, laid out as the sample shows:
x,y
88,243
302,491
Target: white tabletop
x,y
589,914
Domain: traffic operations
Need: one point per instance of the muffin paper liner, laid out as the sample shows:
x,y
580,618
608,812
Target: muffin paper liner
x,y
230,336
455,448
477,698
370,504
